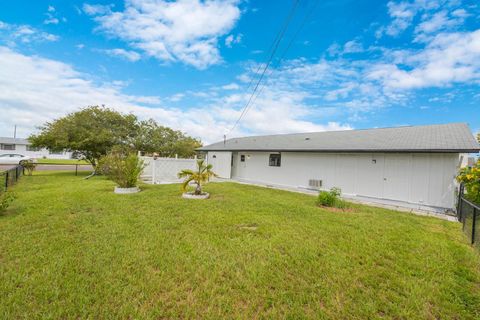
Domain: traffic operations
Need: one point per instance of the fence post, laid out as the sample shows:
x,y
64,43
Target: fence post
x,y
462,220
76,169
6,181
459,200
154,170
474,221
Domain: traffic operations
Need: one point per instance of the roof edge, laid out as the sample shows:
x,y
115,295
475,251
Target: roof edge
x,y
347,150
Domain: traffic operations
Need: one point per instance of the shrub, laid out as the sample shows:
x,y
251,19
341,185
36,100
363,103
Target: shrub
x,y
5,200
326,199
124,168
199,176
331,198
470,177
29,166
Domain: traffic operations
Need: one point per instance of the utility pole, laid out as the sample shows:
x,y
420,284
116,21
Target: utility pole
x,y
15,132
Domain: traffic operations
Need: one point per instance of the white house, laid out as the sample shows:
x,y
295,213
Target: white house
x,y
412,167
22,146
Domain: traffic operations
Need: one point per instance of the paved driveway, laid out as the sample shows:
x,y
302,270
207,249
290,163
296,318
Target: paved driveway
x,y
4,167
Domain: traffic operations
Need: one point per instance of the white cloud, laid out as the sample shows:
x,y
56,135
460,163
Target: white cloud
x,y
334,49
80,46
177,97
274,111
11,33
93,9
52,16
125,54
34,90
437,22
403,14
449,58
461,13
352,46
231,86
51,21
231,40
185,31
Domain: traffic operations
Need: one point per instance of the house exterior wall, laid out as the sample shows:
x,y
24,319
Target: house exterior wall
x,y
42,153
221,162
417,180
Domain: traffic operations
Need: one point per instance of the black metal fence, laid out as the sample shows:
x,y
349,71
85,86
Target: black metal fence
x,y
10,177
74,167
468,214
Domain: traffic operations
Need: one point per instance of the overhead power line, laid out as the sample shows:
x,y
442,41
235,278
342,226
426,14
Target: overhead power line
x,y
276,44
304,21
275,40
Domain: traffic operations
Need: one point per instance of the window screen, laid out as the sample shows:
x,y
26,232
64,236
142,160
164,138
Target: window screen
x,y
274,160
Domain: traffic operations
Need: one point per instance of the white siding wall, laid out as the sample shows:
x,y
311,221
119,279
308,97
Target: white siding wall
x,y
424,180
221,162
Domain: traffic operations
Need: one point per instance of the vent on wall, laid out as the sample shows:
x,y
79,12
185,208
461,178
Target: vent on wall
x,y
314,183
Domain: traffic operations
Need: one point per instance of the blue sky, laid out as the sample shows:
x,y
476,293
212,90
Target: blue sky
x,y
188,64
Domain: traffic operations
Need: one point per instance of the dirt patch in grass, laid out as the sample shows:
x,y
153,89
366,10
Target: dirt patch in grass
x,y
249,226
333,209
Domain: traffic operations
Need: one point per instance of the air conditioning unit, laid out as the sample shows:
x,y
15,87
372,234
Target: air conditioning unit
x,y
315,183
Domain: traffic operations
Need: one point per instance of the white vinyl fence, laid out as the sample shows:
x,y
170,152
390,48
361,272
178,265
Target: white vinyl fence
x,y
165,170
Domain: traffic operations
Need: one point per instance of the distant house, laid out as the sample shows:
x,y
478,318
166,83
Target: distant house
x,y
412,167
23,147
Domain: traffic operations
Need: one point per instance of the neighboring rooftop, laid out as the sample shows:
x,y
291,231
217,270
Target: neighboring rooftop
x,y
452,137
8,140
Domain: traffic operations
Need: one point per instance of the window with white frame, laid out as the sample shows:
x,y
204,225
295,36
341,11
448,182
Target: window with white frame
x,y
7,146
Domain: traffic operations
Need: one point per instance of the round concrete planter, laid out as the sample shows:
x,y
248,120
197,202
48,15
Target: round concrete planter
x,y
189,195
119,190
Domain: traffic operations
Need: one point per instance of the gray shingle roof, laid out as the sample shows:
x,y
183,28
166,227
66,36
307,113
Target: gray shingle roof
x,y
8,140
452,137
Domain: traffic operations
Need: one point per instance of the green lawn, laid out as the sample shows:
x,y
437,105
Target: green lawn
x,y
61,161
71,249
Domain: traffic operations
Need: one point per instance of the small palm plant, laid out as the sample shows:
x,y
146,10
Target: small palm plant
x,y
201,175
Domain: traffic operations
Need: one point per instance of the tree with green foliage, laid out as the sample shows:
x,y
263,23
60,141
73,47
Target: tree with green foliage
x,y
154,138
91,132
94,131
470,177
200,176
